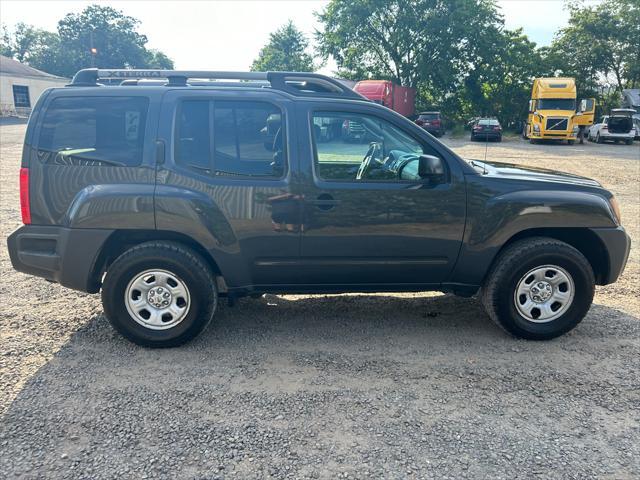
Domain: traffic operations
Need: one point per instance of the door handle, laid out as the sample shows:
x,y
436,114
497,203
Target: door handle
x,y
325,202
159,152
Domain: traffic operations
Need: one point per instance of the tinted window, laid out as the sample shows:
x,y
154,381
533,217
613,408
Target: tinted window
x,y
429,116
487,121
193,141
355,147
557,104
245,138
94,131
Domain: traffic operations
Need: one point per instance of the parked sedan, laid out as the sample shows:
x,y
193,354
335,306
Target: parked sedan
x,y
616,127
486,129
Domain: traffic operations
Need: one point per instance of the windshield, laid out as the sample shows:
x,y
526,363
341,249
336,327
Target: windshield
x,y
557,104
428,116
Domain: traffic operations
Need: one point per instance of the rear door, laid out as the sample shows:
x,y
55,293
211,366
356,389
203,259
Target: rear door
x,y
372,228
225,180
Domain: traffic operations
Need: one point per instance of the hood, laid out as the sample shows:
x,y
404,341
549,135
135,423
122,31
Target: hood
x,y
519,172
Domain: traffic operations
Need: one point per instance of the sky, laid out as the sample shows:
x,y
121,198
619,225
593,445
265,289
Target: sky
x,y
227,35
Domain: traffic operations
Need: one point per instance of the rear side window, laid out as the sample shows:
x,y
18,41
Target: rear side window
x,y
101,131
225,138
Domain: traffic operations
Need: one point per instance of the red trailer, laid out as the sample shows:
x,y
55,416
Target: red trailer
x,y
385,92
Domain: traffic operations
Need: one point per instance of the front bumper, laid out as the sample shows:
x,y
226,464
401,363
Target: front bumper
x,y
617,245
67,256
554,136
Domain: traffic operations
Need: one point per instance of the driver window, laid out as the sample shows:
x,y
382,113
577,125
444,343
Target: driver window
x,y
357,147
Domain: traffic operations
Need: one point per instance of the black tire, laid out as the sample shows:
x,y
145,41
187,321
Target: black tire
x,y
629,142
499,139
533,141
498,292
570,142
598,138
181,261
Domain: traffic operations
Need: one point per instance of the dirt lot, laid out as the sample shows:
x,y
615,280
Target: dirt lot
x,y
351,386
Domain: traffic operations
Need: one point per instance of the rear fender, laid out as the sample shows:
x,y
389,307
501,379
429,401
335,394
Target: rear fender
x,y
112,206
197,216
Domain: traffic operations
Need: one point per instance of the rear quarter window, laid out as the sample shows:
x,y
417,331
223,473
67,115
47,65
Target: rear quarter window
x,y
99,131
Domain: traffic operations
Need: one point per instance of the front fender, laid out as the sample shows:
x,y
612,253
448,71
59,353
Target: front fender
x,y
494,220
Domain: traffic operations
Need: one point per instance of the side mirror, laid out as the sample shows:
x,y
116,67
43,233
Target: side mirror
x,y
531,107
430,167
587,105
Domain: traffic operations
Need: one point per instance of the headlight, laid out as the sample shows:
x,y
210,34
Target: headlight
x,y
615,207
575,129
536,128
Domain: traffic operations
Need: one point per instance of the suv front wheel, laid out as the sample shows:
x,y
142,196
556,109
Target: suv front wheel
x,y
159,294
539,288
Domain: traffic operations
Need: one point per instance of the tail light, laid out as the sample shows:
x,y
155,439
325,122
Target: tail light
x,y
497,128
477,127
435,122
25,207
419,122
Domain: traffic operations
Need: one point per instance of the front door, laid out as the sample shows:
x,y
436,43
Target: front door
x,y
368,218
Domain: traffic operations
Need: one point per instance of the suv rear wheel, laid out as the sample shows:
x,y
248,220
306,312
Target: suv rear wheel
x,y
159,294
539,288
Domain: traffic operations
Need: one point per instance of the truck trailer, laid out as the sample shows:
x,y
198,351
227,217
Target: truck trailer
x,y
396,97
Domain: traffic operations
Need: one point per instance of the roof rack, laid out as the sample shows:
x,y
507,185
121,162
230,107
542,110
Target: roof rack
x,y
295,83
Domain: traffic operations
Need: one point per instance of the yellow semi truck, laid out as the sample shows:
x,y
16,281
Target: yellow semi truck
x,y
553,113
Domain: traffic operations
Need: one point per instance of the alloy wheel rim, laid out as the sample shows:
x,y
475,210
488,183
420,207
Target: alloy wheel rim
x,y
544,293
157,299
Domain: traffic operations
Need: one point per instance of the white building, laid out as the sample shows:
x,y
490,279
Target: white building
x,y
21,85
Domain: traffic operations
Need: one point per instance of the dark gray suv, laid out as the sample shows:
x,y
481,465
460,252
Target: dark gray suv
x,y
174,188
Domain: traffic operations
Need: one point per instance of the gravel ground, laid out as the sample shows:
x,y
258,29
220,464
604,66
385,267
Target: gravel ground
x,y
344,386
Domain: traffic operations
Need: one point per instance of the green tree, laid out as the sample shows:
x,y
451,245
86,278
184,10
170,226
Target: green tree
x,y
500,81
408,41
114,35
285,51
600,45
456,53
25,42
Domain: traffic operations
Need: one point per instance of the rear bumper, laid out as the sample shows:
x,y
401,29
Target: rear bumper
x,y
486,134
617,136
63,255
617,245
431,129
